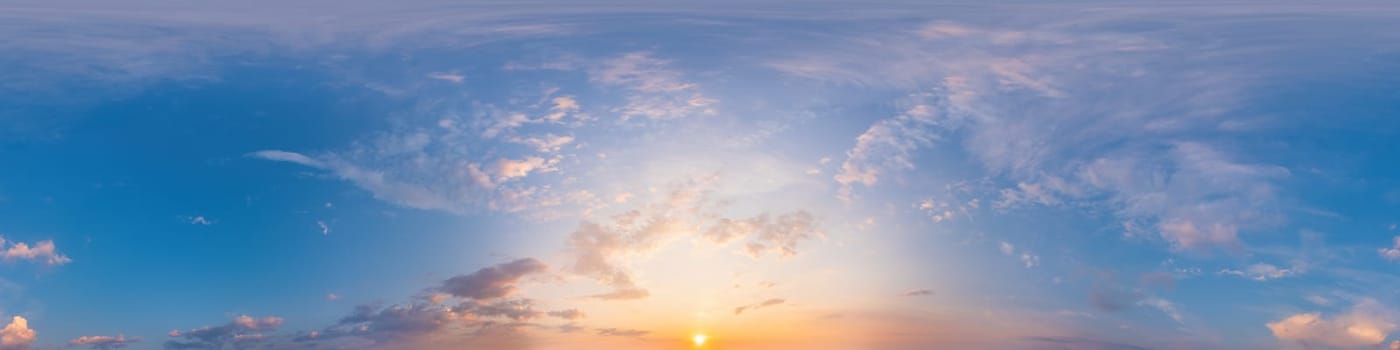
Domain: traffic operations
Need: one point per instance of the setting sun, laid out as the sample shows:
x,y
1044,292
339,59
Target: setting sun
x,y
699,339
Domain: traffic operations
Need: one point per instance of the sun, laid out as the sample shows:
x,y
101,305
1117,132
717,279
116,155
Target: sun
x,y
699,339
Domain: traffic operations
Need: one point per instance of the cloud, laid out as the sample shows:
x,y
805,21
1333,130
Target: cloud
x,y
429,169
240,332
290,157
1392,253
199,220
448,77
17,335
1070,140
1063,342
1030,260
568,314
658,92
516,309
1366,325
622,294
598,250
621,332
888,144
779,235
1166,307
1262,272
917,292
104,342
493,282
760,305
325,230
42,252
545,144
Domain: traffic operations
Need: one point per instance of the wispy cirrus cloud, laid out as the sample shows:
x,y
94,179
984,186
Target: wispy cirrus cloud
x,y
1194,193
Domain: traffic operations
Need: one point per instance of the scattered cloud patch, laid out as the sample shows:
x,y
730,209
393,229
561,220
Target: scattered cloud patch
x,y
42,252
759,305
1367,324
493,282
104,342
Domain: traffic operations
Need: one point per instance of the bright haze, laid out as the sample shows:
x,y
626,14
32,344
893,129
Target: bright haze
x,y
804,175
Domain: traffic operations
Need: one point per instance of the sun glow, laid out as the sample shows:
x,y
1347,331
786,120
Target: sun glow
x,y
699,339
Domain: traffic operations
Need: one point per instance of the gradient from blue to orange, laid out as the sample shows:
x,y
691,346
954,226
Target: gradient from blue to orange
x,y
784,175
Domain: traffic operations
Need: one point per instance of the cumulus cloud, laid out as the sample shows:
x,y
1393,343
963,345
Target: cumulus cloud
x,y
759,305
17,335
1366,325
104,342
42,252
493,282
241,332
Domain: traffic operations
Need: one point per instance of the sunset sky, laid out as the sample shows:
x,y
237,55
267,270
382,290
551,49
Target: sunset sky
x,y
814,175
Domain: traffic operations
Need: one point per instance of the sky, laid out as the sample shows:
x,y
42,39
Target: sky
x,y
839,175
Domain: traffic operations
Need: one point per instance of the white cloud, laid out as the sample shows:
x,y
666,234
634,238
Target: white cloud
x,y
888,144
1069,137
1392,253
199,220
104,342
545,144
448,77
1367,324
1031,260
658,92
43,252
1006,248
1263,272
1166,307
17,335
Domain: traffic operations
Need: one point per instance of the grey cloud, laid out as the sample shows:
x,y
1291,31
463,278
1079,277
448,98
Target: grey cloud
x,y
916,293
242,332
494,281
759,305
1077,343
621,332
569,314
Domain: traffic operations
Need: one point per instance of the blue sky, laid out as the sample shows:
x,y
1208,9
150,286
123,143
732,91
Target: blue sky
x,y
628,175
